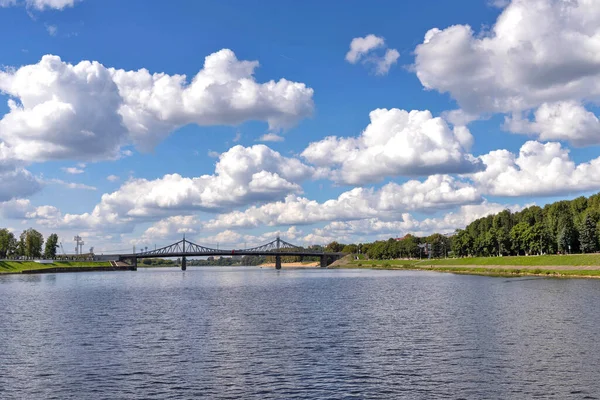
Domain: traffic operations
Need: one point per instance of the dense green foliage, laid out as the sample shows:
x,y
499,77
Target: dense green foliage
x,y
51,246
8,243
28,245
560,227
565,227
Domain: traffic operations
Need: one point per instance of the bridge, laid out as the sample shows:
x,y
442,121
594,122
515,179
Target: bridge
x,y
184,249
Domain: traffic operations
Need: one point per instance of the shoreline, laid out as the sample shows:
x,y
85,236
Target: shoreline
x,y
588,272
312,264
59,270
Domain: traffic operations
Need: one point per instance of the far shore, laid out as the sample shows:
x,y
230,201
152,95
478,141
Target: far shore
x,y
565,266
293,264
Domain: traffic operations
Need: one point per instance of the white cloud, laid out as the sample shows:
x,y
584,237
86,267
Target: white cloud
x,y
363,48
243,175
71,185
383,65
50,4
15,208
498,3
15,181
88,112
365,229
112,178
568,121
538,170
271,137
52,30
396,143
224,92
435,193
538,52
40,5
73,170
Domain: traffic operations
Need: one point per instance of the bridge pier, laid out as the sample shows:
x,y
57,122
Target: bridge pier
x,y
323,261
277,262
134,262
183,263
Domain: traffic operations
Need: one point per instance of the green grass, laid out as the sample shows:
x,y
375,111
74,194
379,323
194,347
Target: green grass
x,y
496,266
19,266
510,271
547,260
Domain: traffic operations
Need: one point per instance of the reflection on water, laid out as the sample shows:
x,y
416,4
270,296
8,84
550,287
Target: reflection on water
x,y
261,333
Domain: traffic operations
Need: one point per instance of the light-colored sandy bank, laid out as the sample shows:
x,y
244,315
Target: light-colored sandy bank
x,y
293,264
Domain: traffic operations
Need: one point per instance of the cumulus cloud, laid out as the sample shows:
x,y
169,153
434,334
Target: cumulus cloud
x,y
15,181
112,178
363,48
87,111
243,175
50,4
396,143
15,208
40,5
364,229
435,193
567,120
539,169
538,53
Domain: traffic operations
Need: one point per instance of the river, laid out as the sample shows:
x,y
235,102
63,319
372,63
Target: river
x,y
243,333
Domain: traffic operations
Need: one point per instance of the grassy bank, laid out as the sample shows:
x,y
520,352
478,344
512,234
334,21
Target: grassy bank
x,y
573,260
577,265
20,266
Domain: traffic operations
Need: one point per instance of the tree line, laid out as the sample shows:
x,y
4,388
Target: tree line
x,y
565,227
28,245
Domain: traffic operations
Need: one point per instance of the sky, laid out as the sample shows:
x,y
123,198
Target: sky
x,y
232,122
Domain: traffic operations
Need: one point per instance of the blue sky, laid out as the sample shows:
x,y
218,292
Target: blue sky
x,y
505,101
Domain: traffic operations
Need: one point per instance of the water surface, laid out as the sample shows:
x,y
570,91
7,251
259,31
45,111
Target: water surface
x,y
261,333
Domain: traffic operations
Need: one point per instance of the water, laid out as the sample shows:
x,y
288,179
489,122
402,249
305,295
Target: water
x,y
260,333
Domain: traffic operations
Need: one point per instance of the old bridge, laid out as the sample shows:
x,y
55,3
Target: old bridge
x,y
184,248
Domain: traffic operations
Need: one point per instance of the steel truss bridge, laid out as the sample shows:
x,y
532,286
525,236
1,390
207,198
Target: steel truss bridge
x,y
184,248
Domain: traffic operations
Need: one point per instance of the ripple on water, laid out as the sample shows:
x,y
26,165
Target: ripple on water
x,y
260,333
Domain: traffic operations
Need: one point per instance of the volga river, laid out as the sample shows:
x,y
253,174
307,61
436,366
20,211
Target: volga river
x,y
242,333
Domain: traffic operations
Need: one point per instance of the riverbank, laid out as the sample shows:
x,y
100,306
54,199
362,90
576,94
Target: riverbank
x,y
560,266
31,267
311,264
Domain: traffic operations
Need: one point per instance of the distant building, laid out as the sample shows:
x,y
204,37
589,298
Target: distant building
x,y
403,237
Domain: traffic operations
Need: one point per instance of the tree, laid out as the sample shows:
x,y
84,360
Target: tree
x,y
350,249
537,239
51,246
462,243
7,243
588,240
334,247
30,243
518,237
567,236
